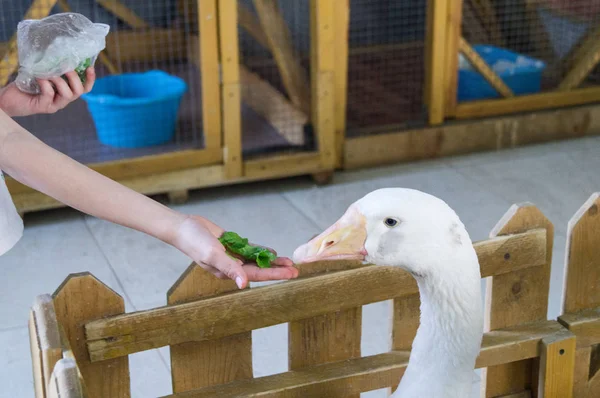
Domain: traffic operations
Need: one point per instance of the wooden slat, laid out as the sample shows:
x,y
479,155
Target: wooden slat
x,y
148,45
325,338
283,165
583,247
557,363
341,379
578,52
484,69
208,60
279,39
249,21
323,117
124,13
453,35
437,59
39,385
287,302
79,299
342,21
487,15
516,298
582,68
585,324
527,103
10,62
202,364
65,382
273,106
231,114
427,47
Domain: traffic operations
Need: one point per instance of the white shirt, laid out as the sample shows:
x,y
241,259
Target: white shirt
x,y
11,224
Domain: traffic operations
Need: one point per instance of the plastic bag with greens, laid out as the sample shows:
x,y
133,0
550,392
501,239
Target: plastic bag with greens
x,y
55,45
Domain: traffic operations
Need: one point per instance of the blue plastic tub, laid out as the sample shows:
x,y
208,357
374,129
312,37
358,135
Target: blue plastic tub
x,y
524,78
134,110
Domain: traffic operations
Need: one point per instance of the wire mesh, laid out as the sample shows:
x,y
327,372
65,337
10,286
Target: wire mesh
x,y
385,65
144,36
275,105
553,36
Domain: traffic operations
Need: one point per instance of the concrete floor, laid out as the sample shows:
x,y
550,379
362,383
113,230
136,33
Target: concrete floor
x,y
557,177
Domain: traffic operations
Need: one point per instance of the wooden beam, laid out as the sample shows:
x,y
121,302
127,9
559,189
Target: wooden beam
x,y
283,166
298,299
453,37
585,325
557,363
10,62
124,13
437,59
583,66
280,43
484,69
344,378
341,47
147,45
249,21
527,103
487,15
274,107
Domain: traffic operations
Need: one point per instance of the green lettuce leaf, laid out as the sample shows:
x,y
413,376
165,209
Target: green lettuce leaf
x,y
240,246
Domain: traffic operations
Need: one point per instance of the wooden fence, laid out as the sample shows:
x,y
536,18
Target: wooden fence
x,y
208,324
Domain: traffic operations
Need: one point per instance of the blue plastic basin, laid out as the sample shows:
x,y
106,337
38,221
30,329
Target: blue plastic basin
x,y
522,79
133,110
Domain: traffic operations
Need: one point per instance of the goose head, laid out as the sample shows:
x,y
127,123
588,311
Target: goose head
x,y
421,234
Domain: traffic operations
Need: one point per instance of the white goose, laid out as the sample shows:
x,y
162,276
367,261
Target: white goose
x,y
423,235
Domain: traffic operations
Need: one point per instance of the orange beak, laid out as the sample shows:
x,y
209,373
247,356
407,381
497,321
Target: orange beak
x,y
343,240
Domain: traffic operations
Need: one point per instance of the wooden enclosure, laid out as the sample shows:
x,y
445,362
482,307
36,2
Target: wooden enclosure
x,y
208,323
287,88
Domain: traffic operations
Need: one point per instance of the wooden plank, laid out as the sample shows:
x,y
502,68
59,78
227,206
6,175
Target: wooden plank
x,y
585,325
202,364
516,298
325,338
147,45
178,197
295,300
427,48
273,106
39,385
487,14
437,59
557,363
124,13
231,114
582,68
278,36
453,35
341,25
283,165
79,299
578,52
582,273
65,382
527,103
323,79
10,62
142,166
484,69
207,50
344,378
249,21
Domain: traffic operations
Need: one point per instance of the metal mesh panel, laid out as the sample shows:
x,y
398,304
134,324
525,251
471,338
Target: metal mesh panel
x,y
555,32
275,104
385,66
157,37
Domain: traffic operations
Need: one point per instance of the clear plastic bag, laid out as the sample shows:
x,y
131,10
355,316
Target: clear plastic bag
x,y
55,45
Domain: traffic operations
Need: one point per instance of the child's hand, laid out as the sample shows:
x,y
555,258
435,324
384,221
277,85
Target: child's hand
x,y
55,94
198,238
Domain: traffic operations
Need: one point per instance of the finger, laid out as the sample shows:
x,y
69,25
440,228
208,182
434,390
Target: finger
x,y
45,100
229,266
256,274
283,262
74,84
64,92
90,79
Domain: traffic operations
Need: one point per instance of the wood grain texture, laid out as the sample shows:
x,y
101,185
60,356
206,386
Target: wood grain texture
x,y
325,338
516,298
453,35
286,302
202,364
345,378
79,299
65,382
557,363
582,273
437,59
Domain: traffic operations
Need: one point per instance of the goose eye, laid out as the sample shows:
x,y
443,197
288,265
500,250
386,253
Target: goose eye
x,y
391,222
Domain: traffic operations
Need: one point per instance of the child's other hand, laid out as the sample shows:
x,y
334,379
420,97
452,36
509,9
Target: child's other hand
x,y
198,238
56,93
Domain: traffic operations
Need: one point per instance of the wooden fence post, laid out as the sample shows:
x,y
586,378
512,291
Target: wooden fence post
x,y
516,298
201,364
326,338
79,299
557,364
581,294
65,381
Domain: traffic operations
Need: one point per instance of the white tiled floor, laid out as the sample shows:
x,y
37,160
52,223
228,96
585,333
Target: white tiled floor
x,y
557,177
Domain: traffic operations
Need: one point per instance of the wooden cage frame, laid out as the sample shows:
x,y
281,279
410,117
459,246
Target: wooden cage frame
x,y
453,128
208,321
